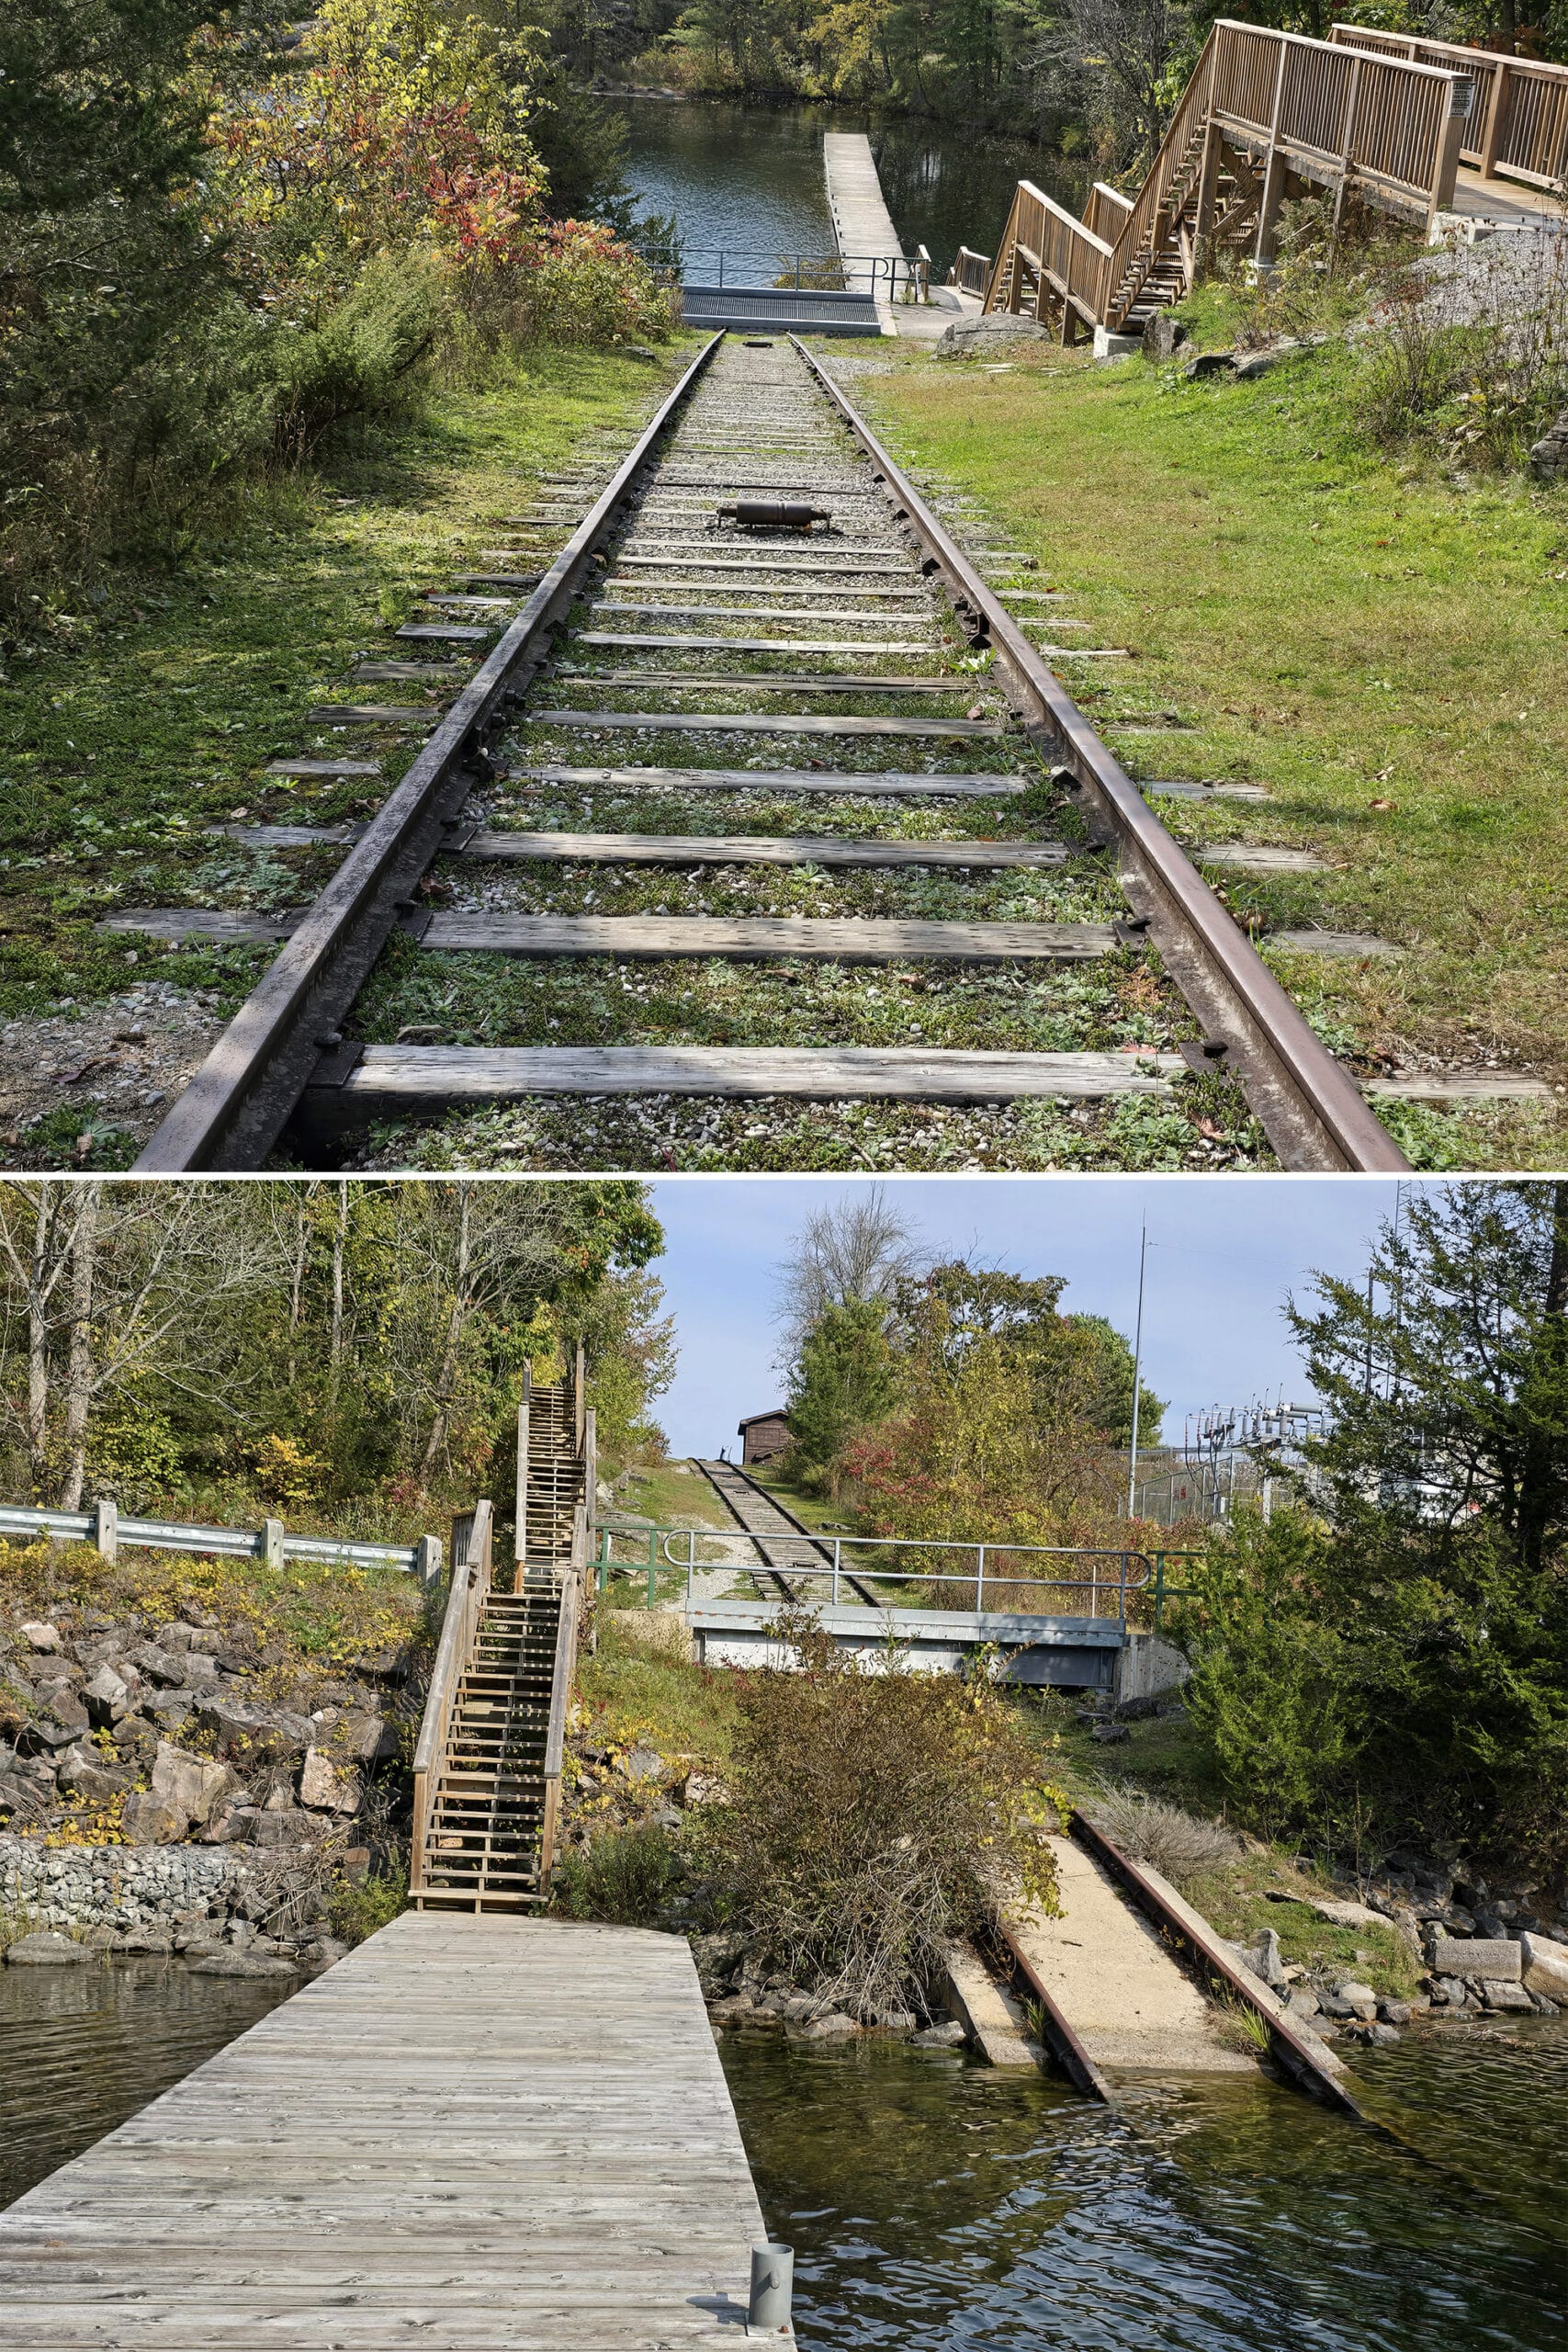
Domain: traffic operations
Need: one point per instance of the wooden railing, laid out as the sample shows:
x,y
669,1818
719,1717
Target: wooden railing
x,y
1337,115
971,272
561,1681
1516,126
471,1542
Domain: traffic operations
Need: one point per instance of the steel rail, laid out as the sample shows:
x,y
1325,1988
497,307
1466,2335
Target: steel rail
x,y
1176,1918
237,1104
867,1598
1311,1110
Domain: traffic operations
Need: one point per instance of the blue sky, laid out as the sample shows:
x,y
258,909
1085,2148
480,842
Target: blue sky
x,y
1223,1254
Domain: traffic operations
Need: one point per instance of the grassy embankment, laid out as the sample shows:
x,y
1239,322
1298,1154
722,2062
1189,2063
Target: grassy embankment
x,y
1380,643
128,727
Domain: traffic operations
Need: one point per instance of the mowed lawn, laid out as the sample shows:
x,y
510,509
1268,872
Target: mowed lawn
x,y
1379,643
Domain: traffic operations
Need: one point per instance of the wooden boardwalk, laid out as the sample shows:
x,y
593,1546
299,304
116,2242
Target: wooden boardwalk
x,y
501,2136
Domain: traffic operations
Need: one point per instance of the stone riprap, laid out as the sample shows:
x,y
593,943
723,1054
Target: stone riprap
x,y
120,1887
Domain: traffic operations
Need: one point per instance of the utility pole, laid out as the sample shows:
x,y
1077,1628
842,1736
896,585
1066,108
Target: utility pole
x,y
1137,1371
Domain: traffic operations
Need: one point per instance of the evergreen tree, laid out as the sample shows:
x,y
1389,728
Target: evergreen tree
x,y
846,1380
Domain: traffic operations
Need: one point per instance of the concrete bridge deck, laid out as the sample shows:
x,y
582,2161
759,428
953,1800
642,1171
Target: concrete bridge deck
x,y
489,2134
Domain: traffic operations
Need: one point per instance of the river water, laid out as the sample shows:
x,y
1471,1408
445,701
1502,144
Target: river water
x,y
750,178
938,2206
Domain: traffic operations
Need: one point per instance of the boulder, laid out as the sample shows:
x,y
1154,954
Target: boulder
x,y
47,1951
112,1694
40,1637
361,1737
148,1821
1257,363
977,333
1543,1966
158,1666
189,1785
831,2028
1359,1999
1211,363
198,1672
1499,1994
257,1826
324,1788
24,1797
1381,2035
947,2036
1263,1959
241,1964
260,1735
176,1635
324,1952
644,1765
91,1775
1497,1957
1163,336
63,1719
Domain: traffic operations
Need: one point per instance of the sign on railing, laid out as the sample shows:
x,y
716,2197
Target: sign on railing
x,y
106,1530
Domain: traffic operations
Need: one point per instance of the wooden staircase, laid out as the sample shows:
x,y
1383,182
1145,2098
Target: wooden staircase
x,y
1265,116
487,1765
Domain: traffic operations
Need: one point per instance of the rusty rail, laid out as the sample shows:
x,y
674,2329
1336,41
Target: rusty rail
x,y
238,1102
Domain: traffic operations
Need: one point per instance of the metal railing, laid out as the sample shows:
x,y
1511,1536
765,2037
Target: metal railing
x,y
103,1528
1518,124
811,273
832,1559
665,1551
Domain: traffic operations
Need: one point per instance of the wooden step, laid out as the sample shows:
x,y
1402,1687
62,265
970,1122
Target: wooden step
x,y
889,785
751,722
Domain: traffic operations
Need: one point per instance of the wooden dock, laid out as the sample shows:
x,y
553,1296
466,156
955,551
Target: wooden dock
x,y
490,2135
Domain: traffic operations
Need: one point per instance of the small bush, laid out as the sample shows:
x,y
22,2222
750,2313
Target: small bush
x,y
357,1908
872,1818
359,359
624,1875
1179,1845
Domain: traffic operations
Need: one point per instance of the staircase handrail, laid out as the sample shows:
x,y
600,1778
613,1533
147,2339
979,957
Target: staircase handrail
x,y
1507,141
1192,106
471,1543
561,1677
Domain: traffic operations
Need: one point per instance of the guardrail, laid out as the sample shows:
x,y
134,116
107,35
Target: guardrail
x,y
1518,125
103,1528
824,273
672,1551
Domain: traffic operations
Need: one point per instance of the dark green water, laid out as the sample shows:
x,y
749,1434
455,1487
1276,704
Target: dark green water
x,y
81,2048
749,177
938,2206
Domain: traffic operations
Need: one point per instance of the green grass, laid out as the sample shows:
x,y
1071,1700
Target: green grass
x,y
634,1688
1380,644
128,727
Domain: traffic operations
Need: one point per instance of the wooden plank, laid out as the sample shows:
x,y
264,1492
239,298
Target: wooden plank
x,y
739,644
436,1075
286,836
885,784
1351,944
205,922
1251,857
779,682
496,2134
874,940
791,587
323,767
443,632
755,612
1459,1086
746,722
372,714
872,567
752,849
451,674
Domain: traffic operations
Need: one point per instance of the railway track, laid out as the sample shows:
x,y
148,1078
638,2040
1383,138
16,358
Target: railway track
x,y
888,841
777,1536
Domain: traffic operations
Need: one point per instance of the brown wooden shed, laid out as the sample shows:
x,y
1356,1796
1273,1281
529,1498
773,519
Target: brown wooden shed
x,y
763,1436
